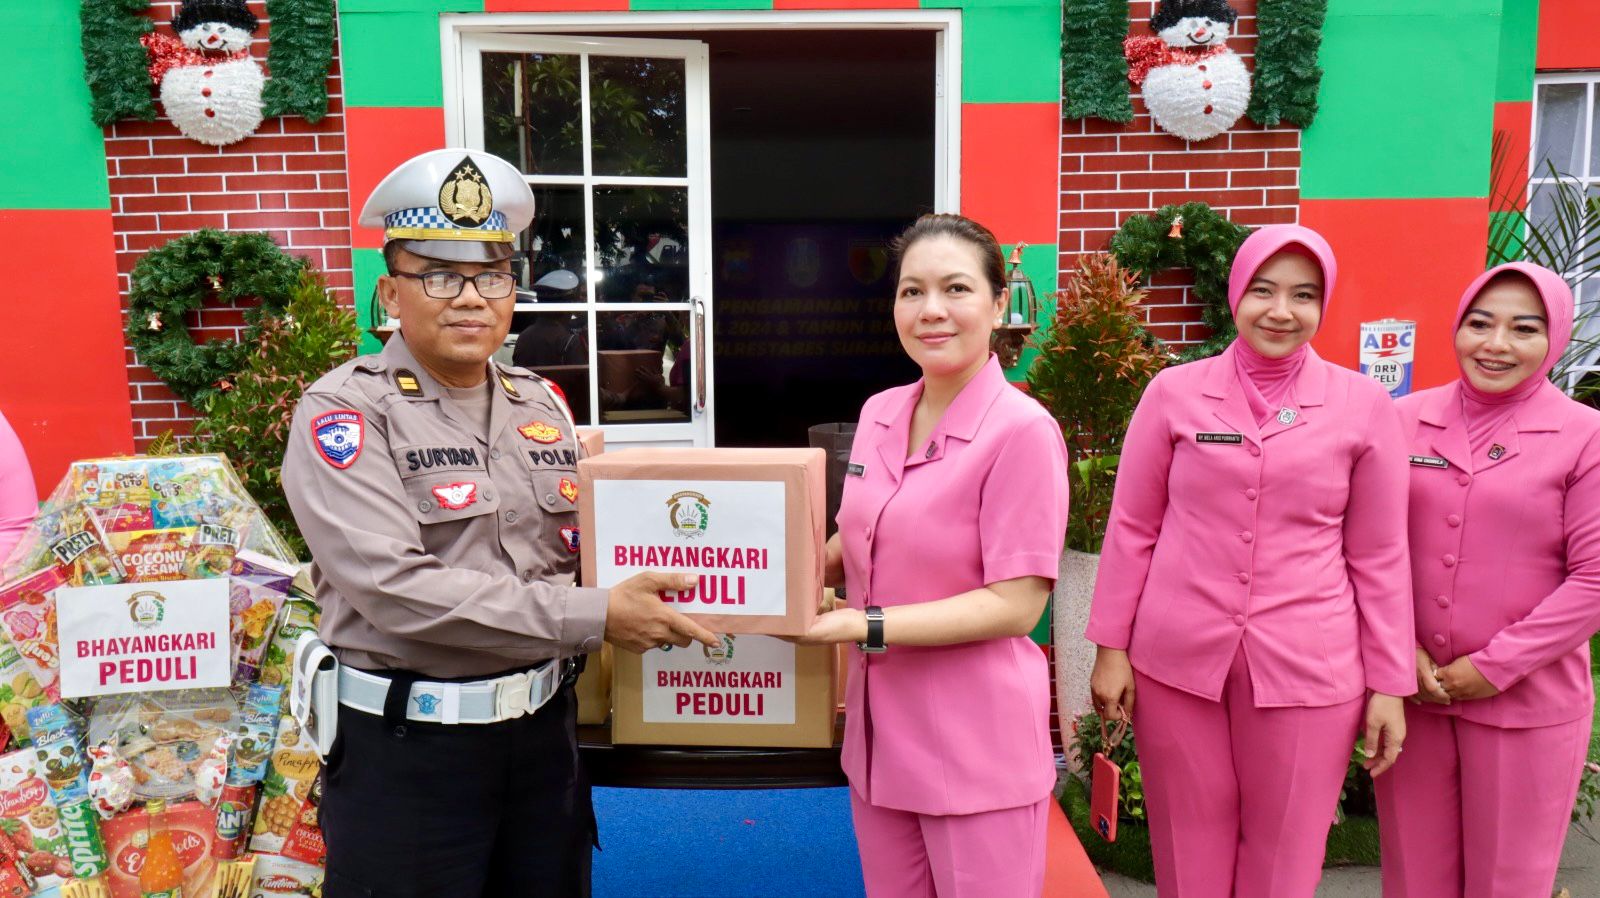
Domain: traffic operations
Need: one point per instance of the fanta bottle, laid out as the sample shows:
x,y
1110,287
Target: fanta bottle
x,y
162,873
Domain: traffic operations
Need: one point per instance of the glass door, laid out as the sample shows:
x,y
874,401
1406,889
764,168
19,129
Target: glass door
x,y
614,299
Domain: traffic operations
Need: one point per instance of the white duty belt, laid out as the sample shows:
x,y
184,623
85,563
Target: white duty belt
x,y
482,701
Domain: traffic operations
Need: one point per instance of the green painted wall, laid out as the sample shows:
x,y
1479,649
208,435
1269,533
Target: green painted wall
x,y
1010,50
56,157
696,5
1417,69
366,267
1519,46
391,58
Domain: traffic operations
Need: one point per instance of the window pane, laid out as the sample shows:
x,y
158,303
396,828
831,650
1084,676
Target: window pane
x,y
636,116
533,111
645,366
642,244
1561,110
555,246
556,346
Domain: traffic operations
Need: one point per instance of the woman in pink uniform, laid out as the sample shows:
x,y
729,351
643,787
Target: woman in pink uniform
x,y
954,512
1253,589
1505,562
19,501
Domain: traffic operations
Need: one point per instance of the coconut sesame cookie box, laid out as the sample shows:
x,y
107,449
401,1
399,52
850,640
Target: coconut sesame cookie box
x,y
749,691
747,523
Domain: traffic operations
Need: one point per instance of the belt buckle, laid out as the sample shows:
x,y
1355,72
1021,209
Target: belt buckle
x,y
512,694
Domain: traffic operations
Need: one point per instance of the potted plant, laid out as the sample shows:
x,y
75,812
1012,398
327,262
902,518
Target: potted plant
x,y
1095,359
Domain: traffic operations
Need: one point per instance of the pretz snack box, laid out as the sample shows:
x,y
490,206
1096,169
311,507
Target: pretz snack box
x,y
750,691
748,523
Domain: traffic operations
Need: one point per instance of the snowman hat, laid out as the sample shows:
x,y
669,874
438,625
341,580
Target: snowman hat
x,y
453,204
1174,11
231,12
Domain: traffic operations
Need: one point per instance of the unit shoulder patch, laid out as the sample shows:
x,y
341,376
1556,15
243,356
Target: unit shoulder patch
x,y
339,434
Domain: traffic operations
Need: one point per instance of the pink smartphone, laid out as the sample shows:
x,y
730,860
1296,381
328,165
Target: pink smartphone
x,y
1104,793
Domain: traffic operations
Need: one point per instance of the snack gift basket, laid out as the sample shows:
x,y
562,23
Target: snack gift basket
x,y
147,623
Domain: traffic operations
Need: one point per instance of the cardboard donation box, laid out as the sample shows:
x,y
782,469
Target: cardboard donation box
x,y
594,686
751,691
748,523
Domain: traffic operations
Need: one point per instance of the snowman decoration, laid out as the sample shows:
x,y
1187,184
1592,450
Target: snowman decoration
x,y
1194,86
210,87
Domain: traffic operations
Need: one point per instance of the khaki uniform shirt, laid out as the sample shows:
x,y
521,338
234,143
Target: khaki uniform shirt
x,y
434,549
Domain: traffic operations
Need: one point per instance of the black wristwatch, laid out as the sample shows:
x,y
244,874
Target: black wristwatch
x,y
874,644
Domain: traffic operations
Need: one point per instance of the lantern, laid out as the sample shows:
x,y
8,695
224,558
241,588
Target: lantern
x,y
1022,309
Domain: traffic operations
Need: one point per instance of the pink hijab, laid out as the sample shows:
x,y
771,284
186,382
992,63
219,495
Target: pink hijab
x,y
1486,412
1266,382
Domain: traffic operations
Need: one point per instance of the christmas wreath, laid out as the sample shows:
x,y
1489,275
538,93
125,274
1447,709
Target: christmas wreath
x,y
1192,236
181,276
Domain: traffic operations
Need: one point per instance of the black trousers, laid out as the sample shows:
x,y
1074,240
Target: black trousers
x,y
425,810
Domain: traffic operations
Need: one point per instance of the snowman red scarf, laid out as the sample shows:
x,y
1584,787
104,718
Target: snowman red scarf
x,y
167,53
1145,53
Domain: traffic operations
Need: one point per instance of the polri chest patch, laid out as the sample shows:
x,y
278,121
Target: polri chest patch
x,y
339,434
456,496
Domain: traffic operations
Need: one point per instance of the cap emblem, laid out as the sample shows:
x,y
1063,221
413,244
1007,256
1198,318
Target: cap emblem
x,y
464,196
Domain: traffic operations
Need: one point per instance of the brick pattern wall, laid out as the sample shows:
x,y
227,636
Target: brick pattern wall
x,y
287,179
1110,172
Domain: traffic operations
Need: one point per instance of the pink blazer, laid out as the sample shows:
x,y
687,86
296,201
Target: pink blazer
x,y
19,501
1505,553
1290,539
964,728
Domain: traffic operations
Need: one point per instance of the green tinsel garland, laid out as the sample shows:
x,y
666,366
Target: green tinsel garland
x,y
181,276
114,64
299,54
1207,247
1287,76
117,67
1094,72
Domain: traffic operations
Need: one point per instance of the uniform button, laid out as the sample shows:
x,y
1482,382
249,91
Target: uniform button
x,y
1453,520
1248,537
1444,601
1438,640
550,498
527,576
1463,480
511,517
1251,494
869,533
1243,577
425,505
1238,620
494,453
1255,450
1449,561
488,495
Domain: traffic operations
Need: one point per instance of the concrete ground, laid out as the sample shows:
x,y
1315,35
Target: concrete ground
x,y
1580,873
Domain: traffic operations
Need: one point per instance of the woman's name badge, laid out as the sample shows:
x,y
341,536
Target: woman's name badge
x,y
1218,438
1429,461
855,470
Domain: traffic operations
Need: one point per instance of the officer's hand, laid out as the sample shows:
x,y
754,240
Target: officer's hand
x,y
637,619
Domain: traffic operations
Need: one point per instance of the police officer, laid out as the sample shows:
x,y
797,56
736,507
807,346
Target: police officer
x,y
438,494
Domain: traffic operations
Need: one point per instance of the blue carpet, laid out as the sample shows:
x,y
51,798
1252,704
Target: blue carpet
x,y
736,843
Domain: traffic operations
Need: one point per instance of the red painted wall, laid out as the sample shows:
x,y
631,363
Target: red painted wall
x,y
1567,34
58,401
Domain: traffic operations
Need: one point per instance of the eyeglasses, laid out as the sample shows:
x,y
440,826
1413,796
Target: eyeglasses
x,y
449,284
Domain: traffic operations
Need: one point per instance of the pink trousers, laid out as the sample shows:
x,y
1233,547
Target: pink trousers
x,y
1239,798
1476,811
997,854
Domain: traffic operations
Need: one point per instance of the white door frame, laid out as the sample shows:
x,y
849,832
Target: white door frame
x,y
455,28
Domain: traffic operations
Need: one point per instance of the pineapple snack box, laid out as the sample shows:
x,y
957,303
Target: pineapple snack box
x,y
139,546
